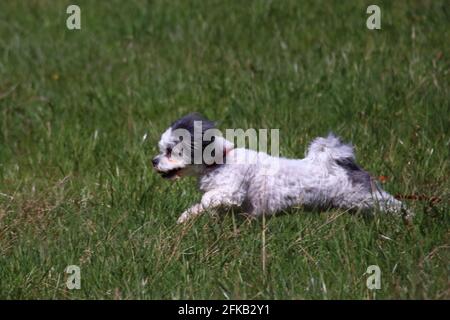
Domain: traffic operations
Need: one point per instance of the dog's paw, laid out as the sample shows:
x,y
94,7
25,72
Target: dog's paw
x,y
407,216
183,218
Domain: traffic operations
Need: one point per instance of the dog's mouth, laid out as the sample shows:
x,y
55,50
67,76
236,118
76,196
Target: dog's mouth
x,y
171,173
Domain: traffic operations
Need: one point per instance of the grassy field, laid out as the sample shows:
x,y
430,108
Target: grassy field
x,y
81,113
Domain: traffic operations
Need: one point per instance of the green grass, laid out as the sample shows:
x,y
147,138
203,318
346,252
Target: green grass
x,y
76,183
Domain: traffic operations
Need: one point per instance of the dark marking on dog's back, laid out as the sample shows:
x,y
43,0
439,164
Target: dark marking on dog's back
x,y
355,173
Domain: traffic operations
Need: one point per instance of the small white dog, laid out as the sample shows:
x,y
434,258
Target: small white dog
x,y
328,177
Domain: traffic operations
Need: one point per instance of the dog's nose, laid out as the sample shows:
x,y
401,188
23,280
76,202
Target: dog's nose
x,y
155,162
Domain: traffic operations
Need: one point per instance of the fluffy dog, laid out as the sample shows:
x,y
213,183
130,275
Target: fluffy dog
x,y
328,177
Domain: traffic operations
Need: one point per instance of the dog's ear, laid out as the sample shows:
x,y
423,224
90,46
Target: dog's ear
x,y
215,151
193,127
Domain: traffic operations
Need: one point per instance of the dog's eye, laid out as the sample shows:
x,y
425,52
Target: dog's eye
x,y
169,152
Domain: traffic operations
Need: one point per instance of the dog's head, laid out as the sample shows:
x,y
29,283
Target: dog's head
x,y
188,146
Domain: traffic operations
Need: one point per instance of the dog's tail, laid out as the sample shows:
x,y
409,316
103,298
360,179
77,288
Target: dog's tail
x,y
330,148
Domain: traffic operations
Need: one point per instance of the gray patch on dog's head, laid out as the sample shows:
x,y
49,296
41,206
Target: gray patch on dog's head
x,y
188,122
356,175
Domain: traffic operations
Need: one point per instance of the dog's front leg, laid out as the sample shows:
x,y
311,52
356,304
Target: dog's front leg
x,y
193,211
210,200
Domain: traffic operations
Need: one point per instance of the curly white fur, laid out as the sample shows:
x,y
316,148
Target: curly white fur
x,y
327,177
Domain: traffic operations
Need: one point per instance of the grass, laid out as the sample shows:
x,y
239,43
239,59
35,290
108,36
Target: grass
x,y
76,183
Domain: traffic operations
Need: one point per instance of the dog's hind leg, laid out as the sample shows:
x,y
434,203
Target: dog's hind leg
x,y
387,203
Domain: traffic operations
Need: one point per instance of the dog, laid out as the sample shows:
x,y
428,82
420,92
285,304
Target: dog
x,y
328,176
